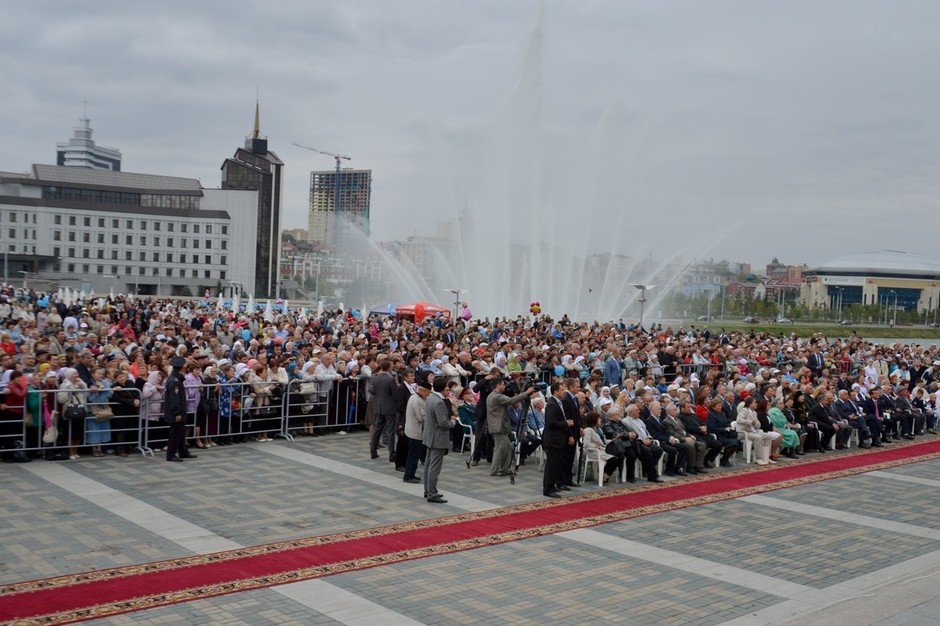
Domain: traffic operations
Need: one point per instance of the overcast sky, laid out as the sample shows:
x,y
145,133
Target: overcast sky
x,y
798,129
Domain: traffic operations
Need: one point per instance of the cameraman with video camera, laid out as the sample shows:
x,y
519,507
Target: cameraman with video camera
x,y
498,423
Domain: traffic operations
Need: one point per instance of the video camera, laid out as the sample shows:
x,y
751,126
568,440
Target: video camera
x,y
521,383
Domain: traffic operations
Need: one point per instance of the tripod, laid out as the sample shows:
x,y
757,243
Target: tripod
x,y
517,442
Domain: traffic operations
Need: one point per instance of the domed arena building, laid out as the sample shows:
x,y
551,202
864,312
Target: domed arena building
x,y
886,277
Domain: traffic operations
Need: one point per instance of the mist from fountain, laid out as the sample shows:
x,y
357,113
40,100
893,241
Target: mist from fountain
x,y
573,235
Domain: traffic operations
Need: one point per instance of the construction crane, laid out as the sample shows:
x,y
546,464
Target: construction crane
x,y
336,197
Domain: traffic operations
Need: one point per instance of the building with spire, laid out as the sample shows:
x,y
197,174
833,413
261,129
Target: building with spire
x,y
256,168
81,150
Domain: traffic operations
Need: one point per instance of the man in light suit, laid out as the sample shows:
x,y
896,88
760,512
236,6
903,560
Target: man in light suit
x,y
437,425
498,423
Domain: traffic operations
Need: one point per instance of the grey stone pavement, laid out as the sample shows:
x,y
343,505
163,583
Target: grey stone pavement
x,y
863,549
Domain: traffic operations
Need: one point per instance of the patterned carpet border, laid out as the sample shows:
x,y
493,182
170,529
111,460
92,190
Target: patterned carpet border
x,y
931,451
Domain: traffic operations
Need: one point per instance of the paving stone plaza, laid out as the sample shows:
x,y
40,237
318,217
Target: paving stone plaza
x,y
862,549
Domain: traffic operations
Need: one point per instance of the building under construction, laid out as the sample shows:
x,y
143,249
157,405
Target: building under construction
x,y
354,194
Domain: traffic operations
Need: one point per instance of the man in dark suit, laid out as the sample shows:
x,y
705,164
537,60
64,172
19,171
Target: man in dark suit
x,y
174,413
675,453
896,424
554,439
815,362
572,414
385,411
706,448
873,409
827,426
849,412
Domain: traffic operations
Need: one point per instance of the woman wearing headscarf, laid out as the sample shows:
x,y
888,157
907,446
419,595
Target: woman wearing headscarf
x,y
98,426
192,384
151,409
261,390
72,398
787,429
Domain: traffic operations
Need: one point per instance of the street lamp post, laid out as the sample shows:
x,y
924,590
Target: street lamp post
x,y
456,293
894,316
642,289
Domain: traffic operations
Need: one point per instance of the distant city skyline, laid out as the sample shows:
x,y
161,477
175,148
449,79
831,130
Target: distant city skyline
x,y
749,128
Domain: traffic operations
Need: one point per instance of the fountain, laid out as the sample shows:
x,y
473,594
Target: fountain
x,y
574,234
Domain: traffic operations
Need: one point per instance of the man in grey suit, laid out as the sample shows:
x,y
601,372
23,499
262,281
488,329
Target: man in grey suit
x,y
437,425
497,421
385,410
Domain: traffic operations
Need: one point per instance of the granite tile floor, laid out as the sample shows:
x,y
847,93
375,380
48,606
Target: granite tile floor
x,y
748,563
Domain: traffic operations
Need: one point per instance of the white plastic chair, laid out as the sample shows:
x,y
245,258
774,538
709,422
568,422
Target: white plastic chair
x,y
853,437
467,435
748,448
594,458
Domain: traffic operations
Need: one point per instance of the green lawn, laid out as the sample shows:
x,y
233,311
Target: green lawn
x,y
829,329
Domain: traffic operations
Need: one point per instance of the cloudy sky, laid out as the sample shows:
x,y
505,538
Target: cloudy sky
x,y
798,129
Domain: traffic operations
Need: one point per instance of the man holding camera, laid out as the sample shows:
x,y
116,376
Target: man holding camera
x,y
497,421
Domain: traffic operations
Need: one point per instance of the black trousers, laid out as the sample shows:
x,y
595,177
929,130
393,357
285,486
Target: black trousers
x,y
415,448
553,465
567,464
176,444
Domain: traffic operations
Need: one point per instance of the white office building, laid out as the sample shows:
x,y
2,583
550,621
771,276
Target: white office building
x,y
82,151
139,233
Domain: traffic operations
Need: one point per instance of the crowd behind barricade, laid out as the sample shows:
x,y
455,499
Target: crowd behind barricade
x,y
90,378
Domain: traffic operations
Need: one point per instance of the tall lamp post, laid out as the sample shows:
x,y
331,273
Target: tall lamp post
x,y
456,293
642,289
894,316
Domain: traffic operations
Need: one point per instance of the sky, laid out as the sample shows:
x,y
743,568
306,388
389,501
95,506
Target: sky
x,y
740,130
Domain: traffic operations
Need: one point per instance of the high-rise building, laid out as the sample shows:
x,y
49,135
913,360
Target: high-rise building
x,y
355,192
81,150
256,168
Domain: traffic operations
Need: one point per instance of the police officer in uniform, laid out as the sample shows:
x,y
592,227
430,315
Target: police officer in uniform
x,y
174,413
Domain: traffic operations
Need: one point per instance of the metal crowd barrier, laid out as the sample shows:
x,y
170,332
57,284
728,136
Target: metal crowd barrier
x,y
27,431
283,412
311,404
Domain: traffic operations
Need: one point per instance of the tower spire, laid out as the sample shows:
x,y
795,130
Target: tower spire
x,y
257,130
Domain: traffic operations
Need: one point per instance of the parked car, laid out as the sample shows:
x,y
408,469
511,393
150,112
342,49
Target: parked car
x,y
783,320
703,318
845,323
751,320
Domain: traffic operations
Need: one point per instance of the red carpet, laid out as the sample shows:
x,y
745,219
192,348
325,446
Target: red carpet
x,y
100,593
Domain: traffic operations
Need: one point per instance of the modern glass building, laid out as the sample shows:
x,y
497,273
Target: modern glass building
x,y
885,278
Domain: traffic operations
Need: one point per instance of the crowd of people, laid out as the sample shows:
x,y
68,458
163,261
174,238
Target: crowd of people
x,y
113,375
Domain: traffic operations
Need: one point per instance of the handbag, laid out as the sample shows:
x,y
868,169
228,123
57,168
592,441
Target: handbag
x,y
102,414
51,433
615,448
74,412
